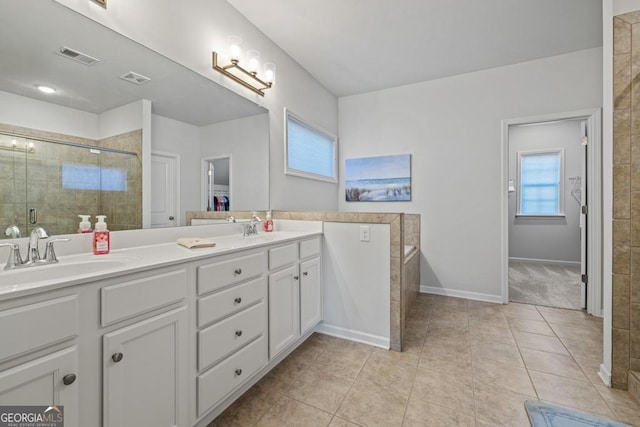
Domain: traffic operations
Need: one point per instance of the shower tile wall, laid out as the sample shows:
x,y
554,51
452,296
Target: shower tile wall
x,y
626,198
34,180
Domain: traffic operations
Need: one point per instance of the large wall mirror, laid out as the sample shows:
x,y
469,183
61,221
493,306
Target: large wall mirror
x,y
124,134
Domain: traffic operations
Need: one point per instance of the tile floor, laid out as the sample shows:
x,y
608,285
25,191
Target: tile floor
x,y
466,363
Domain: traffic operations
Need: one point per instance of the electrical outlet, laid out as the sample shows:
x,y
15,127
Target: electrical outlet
x,y
365,232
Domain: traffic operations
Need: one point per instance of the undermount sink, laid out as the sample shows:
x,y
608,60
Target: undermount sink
x,y
65,268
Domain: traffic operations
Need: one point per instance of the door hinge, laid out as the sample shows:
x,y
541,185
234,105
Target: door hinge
x,y
585,209
585,279
585,140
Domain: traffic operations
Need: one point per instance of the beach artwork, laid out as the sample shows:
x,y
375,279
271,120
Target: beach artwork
x,y
378,179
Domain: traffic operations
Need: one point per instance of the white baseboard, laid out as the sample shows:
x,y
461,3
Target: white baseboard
x,y
461,294
357,336
545,261
604,375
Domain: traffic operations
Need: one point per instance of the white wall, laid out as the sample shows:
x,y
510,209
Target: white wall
x,y
553,239
36,114
175,137
120,119
247,141
452,127
188,31
356,279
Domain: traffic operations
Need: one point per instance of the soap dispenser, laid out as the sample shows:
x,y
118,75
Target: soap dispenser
x,y
85,225
101,239
268,223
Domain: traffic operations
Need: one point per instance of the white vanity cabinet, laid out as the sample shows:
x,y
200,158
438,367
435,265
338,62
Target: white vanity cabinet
x,y
38,359
145,364
295,293
232,325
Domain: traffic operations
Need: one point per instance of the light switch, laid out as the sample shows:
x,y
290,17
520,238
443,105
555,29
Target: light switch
x,y
365,231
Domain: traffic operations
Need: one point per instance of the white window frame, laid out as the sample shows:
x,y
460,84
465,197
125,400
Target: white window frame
x,y
316,128
522,154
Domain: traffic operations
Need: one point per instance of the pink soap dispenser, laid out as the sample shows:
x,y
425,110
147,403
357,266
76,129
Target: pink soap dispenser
x,y
101,239
268,223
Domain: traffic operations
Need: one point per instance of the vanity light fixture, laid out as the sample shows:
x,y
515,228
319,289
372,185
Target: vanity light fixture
x,y
28,148
247,77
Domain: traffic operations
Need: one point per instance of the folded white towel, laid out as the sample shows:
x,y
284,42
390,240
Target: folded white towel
x,y
195,242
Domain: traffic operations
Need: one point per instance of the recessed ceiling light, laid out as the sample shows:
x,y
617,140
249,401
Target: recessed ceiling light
x,y
46,89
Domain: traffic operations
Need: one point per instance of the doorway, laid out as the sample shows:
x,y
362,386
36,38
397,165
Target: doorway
x,y
216,188
165,175
551,211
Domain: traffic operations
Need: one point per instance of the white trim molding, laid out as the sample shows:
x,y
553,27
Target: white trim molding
x,y
476,296
352,335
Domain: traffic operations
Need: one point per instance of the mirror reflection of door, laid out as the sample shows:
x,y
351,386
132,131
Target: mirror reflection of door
x,y
218,184
163,189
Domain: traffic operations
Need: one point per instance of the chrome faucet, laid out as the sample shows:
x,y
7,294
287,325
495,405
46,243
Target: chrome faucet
x,y
250,228
13,232
15,260
33,254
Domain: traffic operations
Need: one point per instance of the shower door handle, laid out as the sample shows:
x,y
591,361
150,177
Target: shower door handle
x,y
33,215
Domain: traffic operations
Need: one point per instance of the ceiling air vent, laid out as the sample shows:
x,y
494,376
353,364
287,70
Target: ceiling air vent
x,y
135,78
67,52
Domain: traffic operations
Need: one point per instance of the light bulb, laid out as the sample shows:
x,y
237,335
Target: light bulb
x,y
235,51
253,56
46,89
269,72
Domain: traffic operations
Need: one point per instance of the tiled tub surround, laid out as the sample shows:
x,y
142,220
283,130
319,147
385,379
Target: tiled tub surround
x,y
626,199
465,363
34,179
404,229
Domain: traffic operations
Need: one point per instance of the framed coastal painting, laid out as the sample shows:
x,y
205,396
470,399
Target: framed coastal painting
x,y
378,179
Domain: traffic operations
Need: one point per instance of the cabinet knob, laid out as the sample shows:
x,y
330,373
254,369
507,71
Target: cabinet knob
x,y
116,357
238,271
306,273
295,277
238,372
238,300
238,333
68,379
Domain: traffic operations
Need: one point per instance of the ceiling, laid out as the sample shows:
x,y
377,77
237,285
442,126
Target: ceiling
x,y
357,46
32,32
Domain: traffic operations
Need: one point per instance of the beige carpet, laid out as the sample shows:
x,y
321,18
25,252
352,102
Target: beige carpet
x,y
551,285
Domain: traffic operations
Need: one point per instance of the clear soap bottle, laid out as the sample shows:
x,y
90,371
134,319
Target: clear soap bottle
x,y
267,225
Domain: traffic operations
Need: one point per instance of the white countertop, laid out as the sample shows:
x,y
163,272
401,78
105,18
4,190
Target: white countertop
x,y
83,268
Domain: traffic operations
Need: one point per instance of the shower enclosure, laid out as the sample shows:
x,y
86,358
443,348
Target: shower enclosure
x,y
49,183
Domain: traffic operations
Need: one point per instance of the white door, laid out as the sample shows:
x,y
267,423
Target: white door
x,y
163,190
284,309
144,373
310,295
49,380
583,218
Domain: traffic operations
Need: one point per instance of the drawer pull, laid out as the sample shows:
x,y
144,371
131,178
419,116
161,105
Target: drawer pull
x,y
238,333
68,379
295,277
238,372
116,357
238,300
238,271
306,273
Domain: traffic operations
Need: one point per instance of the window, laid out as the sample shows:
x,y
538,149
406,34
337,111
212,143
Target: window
x,y
309,151
540,190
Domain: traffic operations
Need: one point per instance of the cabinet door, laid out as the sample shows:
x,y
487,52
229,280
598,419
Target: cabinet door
x,y
49,380
145,373
310,294
284,309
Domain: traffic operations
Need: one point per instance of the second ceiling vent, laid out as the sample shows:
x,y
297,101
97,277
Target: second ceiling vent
x,y
83,58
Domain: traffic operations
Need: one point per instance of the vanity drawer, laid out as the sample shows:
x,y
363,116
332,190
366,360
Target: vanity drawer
x,y
230,374
309,248
35,326
226,336
284,255
223,303
135,297
224,273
